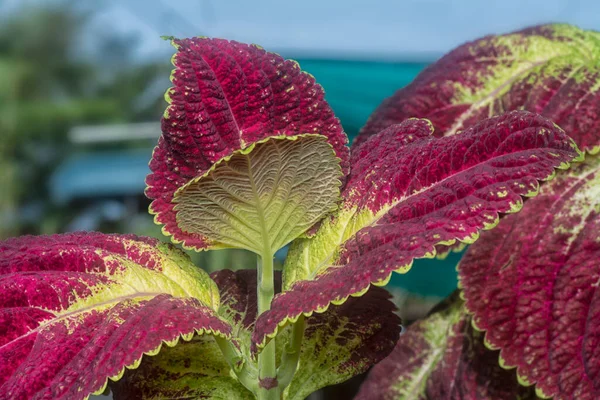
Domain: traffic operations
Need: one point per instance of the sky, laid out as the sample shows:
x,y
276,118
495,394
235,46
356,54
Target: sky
x,y
365,29
376,29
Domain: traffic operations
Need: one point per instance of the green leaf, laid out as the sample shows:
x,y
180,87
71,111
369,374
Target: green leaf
x,y
191,370
265,195
344,342
338,344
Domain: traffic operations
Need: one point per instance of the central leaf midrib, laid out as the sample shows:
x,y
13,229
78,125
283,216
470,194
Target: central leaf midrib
x,y
223,92
266,242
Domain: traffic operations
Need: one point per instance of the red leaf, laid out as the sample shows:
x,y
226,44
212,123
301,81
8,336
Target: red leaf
x,y
77,309
532,286
442,357
407,193
551,70
227,96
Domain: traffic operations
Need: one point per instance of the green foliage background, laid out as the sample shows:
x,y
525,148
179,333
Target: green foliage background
x,y
46,87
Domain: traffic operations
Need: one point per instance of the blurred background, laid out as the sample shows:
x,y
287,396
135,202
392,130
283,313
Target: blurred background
x,y
82,83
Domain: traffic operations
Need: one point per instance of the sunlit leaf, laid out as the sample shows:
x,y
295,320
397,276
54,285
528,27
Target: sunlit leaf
x,y
77,309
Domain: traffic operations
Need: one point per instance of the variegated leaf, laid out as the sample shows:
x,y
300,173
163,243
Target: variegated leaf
x,y
77,309
532,286
337,345
552,70
409,192
228,101
442,357
190,370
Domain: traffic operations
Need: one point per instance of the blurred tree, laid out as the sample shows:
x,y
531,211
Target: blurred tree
x,y
46,87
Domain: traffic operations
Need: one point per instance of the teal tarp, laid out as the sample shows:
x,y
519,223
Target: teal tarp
x,y
102,173
355,88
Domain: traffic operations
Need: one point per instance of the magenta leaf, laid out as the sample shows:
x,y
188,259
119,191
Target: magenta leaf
x,y
551,70
409,192
341,343
442,357
227,97
77,309
532,286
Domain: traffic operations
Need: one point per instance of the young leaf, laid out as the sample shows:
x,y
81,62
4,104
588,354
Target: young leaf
x,y
442,357
408,192
341,343
553,70
532,286
190,370
227,98
78,308
272,191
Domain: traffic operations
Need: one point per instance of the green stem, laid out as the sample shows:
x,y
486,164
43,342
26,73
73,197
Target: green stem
x,y
245,372
291,355
268,388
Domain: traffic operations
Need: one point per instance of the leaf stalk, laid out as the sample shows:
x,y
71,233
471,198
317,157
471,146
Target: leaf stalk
x,y
268,387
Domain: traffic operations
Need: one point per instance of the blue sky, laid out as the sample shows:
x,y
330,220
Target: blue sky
x,y
400,29
373,29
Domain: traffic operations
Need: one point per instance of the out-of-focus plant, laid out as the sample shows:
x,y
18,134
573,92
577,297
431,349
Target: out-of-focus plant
x,y
46,87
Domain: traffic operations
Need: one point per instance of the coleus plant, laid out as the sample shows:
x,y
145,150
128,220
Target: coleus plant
x,y
252,157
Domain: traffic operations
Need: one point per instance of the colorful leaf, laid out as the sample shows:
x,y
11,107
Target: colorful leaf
x,y
270,192
190,370
78,308
552,70
532,286
409,192
339,344
442,357
228,96
344,342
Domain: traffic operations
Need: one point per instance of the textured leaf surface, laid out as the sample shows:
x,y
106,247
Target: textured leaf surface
x,y
552,70
532,286
269,193
341,343
409,192
442,357
78,308
227,96
190,370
